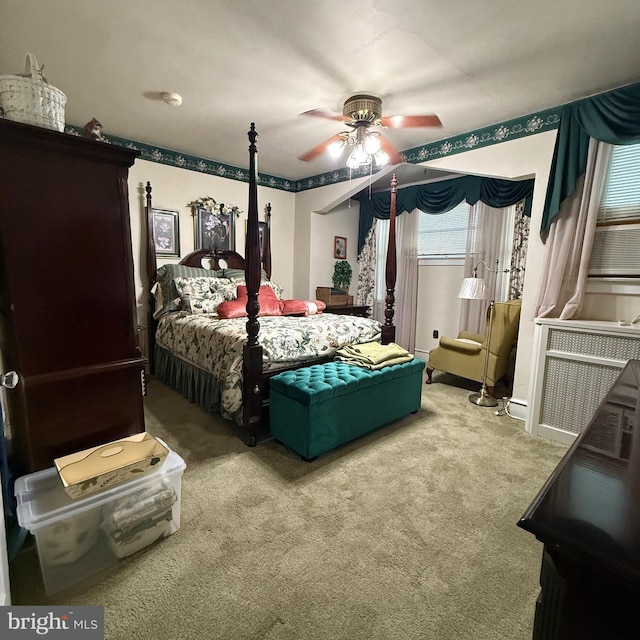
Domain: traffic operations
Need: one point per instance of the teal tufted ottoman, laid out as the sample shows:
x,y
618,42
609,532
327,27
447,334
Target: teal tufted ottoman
x,y
318,408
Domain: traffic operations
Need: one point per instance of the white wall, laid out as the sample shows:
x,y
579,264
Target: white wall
x,y
525,157
438,303
173,188
313,257
621,302
324,227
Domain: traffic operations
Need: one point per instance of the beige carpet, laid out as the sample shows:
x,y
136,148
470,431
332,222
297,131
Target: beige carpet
x,y
407,533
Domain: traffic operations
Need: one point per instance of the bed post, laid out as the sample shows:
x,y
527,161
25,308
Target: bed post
x,y
266,258
252,391
388,329
152,274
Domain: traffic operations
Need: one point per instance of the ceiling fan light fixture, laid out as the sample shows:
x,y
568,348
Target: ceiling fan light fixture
x,y
351,162
358,157
363,108
361,112
372,143
381,157
336,148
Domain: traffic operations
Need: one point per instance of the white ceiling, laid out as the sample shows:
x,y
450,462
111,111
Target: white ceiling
x,y
474,63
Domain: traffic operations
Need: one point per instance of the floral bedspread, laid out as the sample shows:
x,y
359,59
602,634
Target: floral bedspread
x,y
216,345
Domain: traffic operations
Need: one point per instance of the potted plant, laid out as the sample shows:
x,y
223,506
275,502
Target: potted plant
x,y
342,275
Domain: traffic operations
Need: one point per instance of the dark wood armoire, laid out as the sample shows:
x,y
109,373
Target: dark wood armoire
x,y
68,323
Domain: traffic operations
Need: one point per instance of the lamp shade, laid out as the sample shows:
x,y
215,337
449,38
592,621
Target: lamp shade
x,y
473,289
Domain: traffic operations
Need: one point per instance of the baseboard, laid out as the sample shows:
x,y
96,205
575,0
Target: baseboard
x,y
421,354
555,434
518,408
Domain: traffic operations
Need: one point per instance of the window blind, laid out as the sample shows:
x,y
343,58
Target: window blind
x,y
443,235
621,195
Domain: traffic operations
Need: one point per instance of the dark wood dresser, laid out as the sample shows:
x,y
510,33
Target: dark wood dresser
x,y
68,322
348,310
587,515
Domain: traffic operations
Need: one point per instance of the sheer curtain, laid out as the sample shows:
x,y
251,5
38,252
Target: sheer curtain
x,y
489,238
570,239
406,289
407,280
382,242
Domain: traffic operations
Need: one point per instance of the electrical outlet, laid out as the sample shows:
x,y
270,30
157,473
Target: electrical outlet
x,y
435,333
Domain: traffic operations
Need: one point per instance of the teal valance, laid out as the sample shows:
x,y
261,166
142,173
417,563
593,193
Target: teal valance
x,y
439,197
612,117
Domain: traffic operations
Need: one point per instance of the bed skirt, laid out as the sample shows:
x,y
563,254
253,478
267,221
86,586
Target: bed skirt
x,y
195,384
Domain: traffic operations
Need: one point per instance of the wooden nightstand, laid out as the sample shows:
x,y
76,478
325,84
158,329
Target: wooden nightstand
x,y
348,310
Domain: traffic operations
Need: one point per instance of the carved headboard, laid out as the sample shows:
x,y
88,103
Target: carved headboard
x,y
233,260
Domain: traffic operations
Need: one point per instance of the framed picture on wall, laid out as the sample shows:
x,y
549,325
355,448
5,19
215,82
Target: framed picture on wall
x,y
166,232
214,230
339,247
262,231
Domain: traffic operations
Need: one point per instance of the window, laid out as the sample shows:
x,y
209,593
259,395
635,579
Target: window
x,y
617,237
621,194
444,235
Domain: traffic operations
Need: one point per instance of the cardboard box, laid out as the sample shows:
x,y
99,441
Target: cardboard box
x,y
78,538
99,468
333,297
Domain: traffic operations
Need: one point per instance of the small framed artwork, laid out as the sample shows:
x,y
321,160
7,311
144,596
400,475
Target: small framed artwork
x,y
262,232
214,230
339,247
166,232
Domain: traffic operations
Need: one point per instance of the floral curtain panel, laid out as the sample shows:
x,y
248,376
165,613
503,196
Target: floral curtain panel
x,y
521,228
367,270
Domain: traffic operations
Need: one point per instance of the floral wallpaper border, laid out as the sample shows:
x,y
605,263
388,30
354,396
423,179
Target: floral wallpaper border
x,y
194,163
510,130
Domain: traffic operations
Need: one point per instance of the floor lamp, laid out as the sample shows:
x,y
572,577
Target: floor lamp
x,y
475,288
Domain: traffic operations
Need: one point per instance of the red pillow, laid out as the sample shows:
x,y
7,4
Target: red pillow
x,y
232,308
302,307
269,304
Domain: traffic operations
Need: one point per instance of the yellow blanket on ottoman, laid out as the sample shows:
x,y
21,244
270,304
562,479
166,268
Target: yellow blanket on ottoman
x,y
373,355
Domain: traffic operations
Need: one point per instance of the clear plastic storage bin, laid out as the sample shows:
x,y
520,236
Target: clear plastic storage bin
x,y
78,538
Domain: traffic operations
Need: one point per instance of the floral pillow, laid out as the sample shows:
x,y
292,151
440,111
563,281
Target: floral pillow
x,y
167,297
228,288
199,294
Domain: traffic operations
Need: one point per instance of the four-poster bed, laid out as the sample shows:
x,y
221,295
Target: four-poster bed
x,y
226,364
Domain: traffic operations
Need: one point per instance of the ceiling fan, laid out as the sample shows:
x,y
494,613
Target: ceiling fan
x,y
366,145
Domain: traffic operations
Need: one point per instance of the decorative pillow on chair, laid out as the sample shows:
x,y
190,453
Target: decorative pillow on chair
x,y
269,304
199,295
302,307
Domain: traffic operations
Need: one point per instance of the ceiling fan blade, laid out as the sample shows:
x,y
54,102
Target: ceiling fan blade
x,y
406,122
326,113
320,149
394,155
